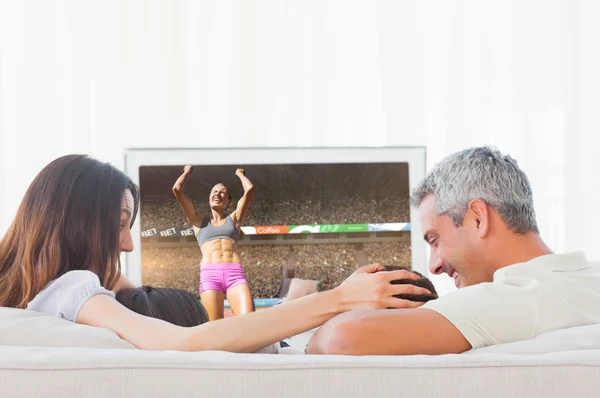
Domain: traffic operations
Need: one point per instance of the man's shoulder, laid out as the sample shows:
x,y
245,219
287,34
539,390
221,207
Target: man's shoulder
x,y
553,263
467,296
522,277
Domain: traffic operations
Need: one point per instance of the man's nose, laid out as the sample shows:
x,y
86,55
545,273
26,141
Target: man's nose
x,y
436,264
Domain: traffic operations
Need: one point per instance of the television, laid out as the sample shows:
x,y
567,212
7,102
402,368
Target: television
x,y
316,213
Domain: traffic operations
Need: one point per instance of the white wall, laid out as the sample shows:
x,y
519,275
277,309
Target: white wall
x,y
97,77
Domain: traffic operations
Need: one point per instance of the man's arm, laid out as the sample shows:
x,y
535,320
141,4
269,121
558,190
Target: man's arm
x,y
388,332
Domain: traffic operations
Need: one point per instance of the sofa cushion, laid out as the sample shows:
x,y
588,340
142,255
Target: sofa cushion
x,y
29,328
84,372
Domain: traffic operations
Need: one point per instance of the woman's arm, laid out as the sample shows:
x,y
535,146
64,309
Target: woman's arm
x,y
186,204
365,289
244,202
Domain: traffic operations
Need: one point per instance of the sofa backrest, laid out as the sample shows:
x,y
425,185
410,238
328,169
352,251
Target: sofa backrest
x,y
572,339
20,327
28,328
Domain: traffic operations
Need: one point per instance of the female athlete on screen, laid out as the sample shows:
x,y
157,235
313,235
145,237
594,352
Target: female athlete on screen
x,y
221,272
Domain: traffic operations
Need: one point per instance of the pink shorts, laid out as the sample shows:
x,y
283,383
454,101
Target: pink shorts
x,y
221,277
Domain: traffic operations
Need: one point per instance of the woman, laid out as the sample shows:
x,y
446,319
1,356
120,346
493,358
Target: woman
x,y
60,256
221,272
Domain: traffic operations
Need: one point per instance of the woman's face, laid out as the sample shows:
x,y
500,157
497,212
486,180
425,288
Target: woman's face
x,y
219,197
125,238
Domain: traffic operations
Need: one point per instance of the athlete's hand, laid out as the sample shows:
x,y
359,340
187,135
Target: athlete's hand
x,y
239,172
188,169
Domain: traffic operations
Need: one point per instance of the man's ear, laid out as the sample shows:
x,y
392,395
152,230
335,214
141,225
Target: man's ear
x,y
478,217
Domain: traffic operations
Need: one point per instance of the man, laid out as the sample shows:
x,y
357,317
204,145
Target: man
x,y
476,211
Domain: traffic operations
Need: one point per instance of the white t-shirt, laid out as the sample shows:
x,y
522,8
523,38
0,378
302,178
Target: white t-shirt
x,y
64,296
547,293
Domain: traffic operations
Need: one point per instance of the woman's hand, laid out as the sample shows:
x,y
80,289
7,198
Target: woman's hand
x,y
369,287
188,169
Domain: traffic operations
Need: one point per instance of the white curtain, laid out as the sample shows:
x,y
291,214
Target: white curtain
x,y
98,76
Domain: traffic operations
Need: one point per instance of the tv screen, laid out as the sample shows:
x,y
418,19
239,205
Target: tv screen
x,y
308,218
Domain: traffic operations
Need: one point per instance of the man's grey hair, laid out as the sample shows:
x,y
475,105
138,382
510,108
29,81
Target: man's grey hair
x,y
480,173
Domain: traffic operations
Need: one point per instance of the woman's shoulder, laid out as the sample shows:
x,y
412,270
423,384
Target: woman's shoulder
x,y
64,296
77,276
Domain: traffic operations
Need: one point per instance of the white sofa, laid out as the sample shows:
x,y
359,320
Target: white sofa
x,y
42,356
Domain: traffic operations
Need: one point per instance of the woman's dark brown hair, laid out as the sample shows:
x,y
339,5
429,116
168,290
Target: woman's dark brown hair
x,y
68,220
175,306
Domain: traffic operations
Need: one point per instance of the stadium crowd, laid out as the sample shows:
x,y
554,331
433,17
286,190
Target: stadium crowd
x,y
345,210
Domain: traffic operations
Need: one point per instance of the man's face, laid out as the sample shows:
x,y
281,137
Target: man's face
x,y
457,251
